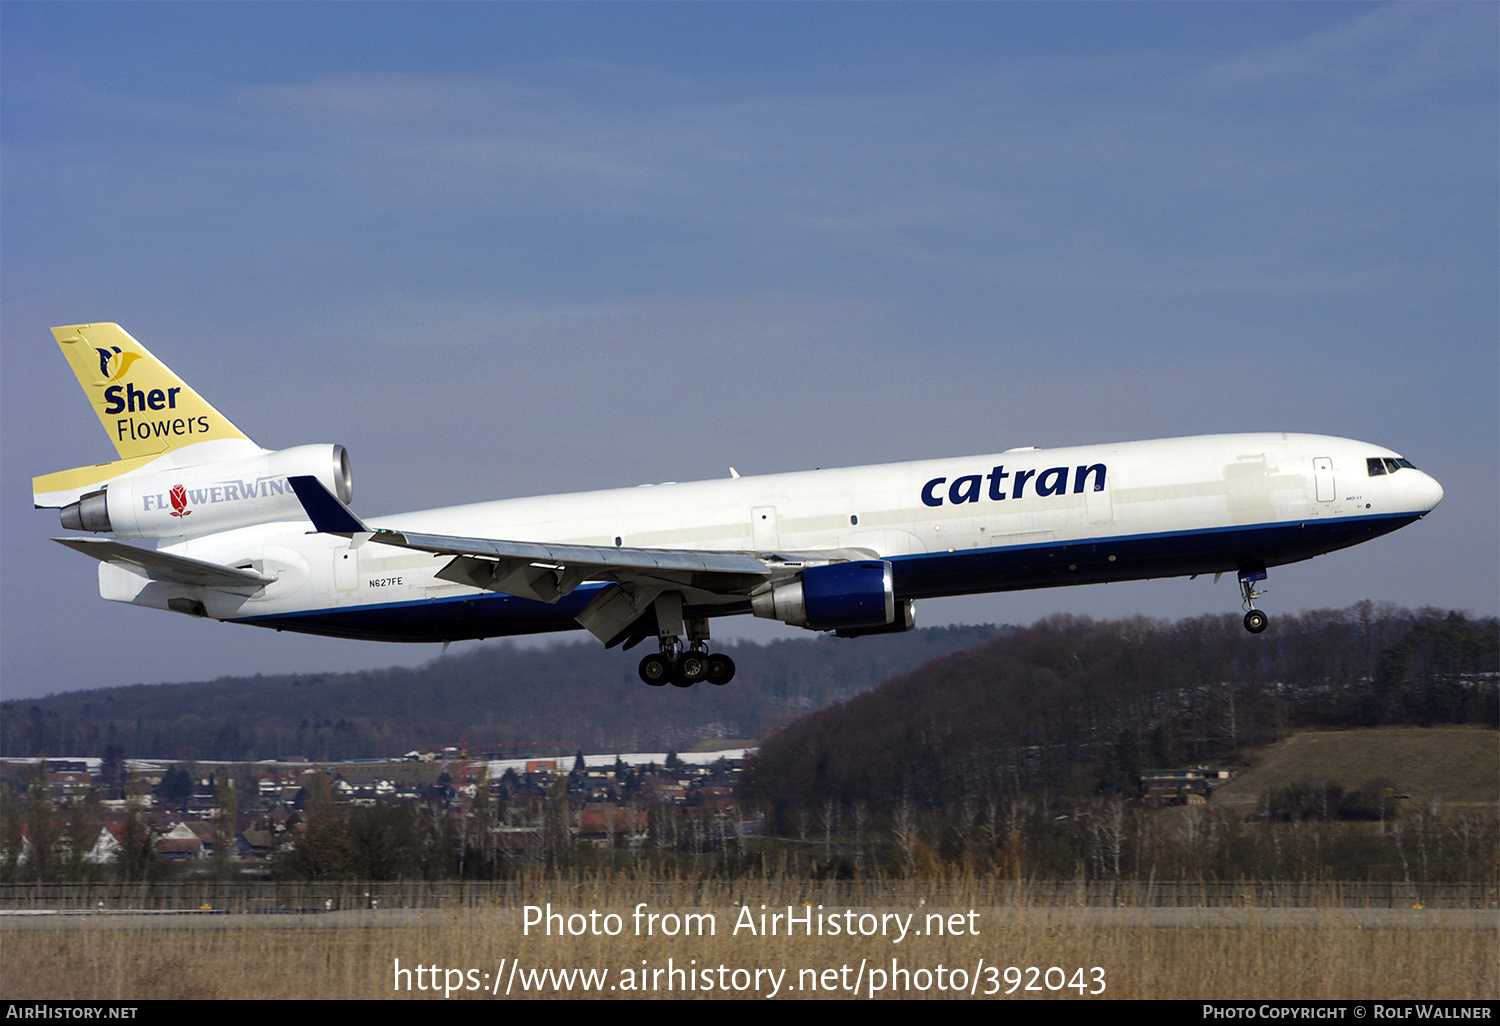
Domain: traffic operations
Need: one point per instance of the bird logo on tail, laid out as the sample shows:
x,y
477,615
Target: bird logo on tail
x,y
121,364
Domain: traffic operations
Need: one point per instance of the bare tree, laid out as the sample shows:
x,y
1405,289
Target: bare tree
x,y
830,818
904,829
861,815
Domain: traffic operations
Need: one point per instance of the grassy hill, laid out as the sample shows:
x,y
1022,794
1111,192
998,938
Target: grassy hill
x,y
1457,765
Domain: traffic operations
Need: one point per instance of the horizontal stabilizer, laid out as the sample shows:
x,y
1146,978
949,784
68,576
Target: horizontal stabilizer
x,y
166,567
53,491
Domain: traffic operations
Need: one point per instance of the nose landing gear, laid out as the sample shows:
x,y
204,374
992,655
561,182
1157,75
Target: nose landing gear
x,y
1255,620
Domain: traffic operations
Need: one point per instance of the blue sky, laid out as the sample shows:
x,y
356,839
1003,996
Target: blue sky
x,y
502,250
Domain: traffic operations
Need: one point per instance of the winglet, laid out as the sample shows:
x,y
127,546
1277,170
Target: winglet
x,y
328,514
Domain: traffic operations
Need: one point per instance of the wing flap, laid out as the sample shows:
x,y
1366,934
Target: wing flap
x,y
689,560
546,573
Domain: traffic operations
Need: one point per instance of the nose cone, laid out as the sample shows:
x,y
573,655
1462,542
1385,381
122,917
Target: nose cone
x,y
1429,493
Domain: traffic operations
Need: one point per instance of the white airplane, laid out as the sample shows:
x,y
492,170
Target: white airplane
x,y
253,536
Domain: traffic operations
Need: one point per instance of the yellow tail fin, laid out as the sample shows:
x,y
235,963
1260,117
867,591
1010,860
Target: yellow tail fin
x,y
149,413
145,408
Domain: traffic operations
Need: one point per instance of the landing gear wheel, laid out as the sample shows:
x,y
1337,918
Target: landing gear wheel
x,y
720,669
691,668
1255,620
655,670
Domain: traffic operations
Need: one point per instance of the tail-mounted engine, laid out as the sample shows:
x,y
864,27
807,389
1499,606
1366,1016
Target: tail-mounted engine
x,y
211,497
850,598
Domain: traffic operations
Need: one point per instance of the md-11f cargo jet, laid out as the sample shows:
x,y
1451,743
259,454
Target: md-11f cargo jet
x,y
252,536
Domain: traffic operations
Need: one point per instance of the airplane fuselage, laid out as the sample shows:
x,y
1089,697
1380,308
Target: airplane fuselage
x,y
1024,518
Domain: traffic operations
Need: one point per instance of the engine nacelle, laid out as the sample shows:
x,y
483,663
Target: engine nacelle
x,y
212,497
854,596
906,620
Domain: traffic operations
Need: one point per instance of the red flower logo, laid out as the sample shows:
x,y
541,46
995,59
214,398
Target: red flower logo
x,y
179,501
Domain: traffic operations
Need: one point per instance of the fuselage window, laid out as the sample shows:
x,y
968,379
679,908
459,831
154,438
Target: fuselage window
x,y
1376,466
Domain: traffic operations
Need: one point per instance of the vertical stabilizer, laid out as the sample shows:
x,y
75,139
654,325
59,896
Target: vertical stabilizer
x,y
153,417
145,408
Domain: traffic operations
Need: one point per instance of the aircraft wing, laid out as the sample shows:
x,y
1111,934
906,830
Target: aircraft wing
x,y
166,567
650,562
546,572
585,562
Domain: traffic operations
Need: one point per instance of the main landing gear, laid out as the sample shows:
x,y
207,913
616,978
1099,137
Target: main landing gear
x,y
684,668
1255,620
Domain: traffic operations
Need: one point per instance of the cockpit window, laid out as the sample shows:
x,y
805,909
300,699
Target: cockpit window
x,y
1378,465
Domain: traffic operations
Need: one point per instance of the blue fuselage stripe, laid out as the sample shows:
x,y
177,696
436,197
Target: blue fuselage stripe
x,y
928,575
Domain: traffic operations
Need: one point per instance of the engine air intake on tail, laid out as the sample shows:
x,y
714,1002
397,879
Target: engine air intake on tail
x,y
214,496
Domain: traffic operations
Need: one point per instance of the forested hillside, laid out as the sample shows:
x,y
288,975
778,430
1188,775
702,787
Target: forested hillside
x,y
577,696
1077,708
